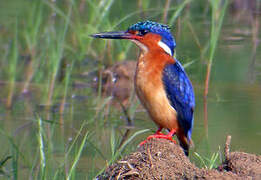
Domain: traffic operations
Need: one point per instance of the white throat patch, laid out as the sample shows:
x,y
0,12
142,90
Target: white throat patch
x,y
142,46
165,47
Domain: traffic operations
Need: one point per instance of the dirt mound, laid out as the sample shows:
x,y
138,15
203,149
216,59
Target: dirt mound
x,y
244,164
161,159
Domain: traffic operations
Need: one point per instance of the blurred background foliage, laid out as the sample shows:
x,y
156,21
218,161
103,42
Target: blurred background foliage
x,y
66,115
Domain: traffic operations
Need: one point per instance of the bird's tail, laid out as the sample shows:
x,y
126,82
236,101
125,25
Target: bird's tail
x,y
185,143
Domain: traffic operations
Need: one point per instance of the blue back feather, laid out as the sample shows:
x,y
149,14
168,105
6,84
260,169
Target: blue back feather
x,y
157,28
181,95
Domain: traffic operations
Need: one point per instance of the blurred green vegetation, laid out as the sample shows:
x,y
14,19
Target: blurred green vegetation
x,y
52,128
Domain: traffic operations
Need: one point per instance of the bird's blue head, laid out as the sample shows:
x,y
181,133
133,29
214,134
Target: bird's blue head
x,y
142,33
156,28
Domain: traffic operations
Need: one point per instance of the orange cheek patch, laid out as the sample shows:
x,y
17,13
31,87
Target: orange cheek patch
x,y
152,36
150,39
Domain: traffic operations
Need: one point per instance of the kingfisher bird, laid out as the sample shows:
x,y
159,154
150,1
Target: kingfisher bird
x,y
160,81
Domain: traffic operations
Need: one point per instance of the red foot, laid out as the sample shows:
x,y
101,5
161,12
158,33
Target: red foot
x,y
158,134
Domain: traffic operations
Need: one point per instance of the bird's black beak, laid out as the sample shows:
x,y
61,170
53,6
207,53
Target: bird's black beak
x,y
114,35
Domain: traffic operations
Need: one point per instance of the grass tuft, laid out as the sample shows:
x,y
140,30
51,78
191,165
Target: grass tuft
x,y
209,163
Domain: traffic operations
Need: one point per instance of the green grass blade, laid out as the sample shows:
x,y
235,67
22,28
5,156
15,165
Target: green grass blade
x,y
178,11
218,13
116,155
78,155
200,159
41,147
113,143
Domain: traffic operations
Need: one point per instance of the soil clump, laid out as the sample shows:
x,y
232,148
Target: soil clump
x,y
162,159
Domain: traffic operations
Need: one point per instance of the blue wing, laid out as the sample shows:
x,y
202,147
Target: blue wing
x,y
181,95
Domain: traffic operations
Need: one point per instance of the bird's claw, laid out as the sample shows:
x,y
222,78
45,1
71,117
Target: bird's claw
x,y
158,135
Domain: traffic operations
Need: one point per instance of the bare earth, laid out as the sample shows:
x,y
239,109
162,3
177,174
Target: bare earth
x,y
162,159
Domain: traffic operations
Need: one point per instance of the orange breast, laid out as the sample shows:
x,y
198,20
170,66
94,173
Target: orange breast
x,y
150,89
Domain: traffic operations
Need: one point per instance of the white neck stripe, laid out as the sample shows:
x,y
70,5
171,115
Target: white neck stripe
x,y
165,47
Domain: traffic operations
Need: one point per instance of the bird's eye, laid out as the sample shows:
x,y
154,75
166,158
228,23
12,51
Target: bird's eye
x,y
143,32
